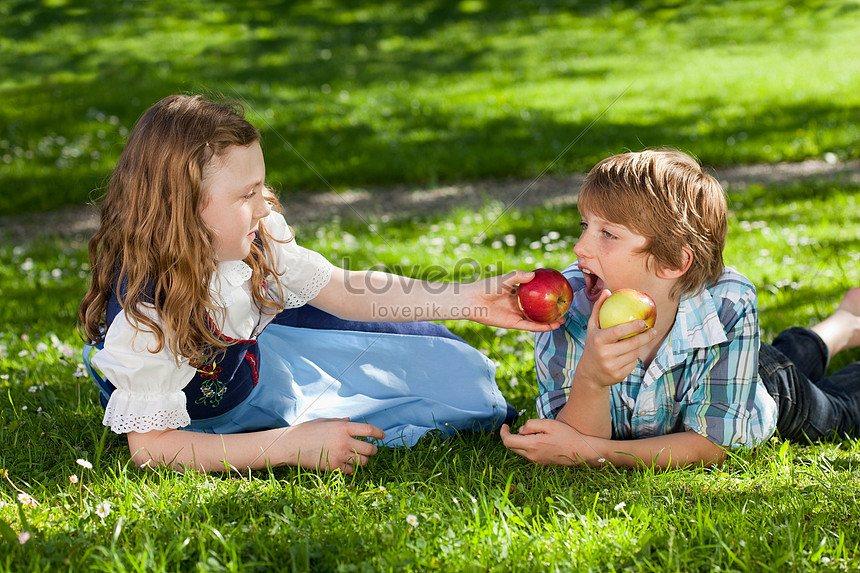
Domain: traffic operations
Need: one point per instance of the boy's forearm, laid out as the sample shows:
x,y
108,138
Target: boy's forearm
x,y
587,410
679,450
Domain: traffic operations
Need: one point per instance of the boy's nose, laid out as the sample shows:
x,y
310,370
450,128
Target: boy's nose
x,y
580,248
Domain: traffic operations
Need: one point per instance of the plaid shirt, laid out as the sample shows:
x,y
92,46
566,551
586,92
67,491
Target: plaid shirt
x,y
704,377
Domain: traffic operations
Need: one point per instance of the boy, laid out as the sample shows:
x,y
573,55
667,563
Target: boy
x,y
699,382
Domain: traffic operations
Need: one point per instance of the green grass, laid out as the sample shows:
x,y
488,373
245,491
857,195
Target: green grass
x,y
430,91
422,93
464,504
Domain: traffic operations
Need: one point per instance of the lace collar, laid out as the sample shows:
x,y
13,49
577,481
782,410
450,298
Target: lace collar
x,y
230,275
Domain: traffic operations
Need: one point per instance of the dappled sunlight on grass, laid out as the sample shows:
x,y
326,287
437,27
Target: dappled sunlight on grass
x,y
428,92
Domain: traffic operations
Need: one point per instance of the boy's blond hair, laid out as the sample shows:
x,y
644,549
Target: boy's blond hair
x,y
665,196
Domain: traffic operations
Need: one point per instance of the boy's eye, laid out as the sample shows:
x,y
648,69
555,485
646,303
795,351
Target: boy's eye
x,y
583,225
608,235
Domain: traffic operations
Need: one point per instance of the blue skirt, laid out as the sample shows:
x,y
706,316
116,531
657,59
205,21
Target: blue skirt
x,y
405,379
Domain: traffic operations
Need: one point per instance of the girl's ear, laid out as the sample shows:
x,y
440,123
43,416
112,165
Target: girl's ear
x,y
670,273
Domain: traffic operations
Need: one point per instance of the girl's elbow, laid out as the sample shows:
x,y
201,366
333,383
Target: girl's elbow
x,y
141,450
140,456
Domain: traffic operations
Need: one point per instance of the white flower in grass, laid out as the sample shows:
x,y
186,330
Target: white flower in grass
x,y
33,389
41,347
412,520
23,353
27,499
84,463
73,478
103,509
620,506
24,537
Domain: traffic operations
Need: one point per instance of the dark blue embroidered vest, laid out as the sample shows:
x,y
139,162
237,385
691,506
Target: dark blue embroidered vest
x,y
221,383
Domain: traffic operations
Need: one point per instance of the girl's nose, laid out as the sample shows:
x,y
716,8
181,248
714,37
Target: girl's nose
x,y
263,208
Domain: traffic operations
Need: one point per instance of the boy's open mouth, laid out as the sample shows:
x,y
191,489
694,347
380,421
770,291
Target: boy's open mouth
x,y
593,285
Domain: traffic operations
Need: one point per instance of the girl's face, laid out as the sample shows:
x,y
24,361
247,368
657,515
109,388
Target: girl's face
x,y
232,199
610,257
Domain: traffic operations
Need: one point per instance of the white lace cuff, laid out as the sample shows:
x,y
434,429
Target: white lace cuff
x,y
310,289
127,412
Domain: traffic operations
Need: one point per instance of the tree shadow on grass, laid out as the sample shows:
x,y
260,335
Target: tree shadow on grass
x,y
280,61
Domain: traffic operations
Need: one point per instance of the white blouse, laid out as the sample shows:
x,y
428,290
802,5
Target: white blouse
x,y
149,384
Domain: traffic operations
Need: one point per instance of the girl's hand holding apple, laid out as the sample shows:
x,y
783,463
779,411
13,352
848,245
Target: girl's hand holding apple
x,y
495,303
546,298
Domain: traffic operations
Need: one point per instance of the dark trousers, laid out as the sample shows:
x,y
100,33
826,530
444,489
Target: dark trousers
x,y
811,406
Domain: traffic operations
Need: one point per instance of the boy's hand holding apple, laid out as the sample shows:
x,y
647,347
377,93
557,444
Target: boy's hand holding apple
x,y
612,348
627,305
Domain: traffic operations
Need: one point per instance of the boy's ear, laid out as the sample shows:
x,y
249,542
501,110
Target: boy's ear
x,y
670,273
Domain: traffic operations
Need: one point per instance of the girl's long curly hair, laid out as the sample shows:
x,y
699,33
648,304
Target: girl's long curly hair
x,y
152,246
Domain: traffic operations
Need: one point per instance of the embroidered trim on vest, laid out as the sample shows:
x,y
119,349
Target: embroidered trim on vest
x,y
212,387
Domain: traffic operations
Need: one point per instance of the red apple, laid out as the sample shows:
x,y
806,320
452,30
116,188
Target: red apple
x,y
546,297
626,305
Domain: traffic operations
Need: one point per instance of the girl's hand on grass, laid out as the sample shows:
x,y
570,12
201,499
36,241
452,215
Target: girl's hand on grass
x,y
606,358
329,444
495,303
551,442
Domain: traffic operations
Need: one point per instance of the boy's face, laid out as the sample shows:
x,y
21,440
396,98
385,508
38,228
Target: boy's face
x,y
609,256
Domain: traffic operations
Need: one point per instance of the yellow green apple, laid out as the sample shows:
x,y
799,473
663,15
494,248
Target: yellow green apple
x,y
626,305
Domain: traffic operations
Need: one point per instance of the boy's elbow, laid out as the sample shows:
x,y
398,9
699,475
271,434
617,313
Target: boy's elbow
x,y
714,454
702,451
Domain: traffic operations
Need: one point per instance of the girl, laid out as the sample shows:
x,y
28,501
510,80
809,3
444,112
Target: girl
x,y
191,264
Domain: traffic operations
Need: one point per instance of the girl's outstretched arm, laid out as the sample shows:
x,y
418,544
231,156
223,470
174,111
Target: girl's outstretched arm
x,y
325,443
378,296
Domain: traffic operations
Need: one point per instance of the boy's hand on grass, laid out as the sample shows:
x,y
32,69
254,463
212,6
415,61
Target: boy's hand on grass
x,y
606,358
551,442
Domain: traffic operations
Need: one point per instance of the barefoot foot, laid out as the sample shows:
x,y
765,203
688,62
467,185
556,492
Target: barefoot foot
x,y
841,330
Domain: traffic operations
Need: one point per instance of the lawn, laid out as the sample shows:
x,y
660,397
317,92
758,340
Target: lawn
x,y
460,504
420,94
427,92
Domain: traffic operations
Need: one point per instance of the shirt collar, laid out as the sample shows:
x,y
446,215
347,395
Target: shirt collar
x,y
234,272
697,324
